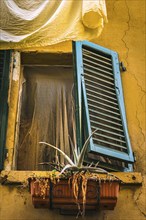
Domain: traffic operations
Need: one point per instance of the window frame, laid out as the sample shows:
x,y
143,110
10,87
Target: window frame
x,y
77,55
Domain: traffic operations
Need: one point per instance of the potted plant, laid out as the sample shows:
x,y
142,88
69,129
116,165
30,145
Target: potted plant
x,y
76,186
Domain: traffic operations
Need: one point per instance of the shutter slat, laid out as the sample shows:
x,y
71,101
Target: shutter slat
x,y
103,109
99,84
100,67
99,87
109,137
101,93
109,132
106,125
108,106
97,60
102,99
97,55
106,142
119,141
101,80
105,120
94,71
106,115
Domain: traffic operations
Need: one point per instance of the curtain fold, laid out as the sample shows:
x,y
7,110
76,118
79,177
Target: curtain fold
x,y
47,114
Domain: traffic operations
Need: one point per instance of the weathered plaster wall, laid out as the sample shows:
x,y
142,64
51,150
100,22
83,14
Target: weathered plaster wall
x,y
13,104
124,33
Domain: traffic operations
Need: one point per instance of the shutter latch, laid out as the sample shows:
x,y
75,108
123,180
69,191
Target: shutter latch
x,y
122,67
134,156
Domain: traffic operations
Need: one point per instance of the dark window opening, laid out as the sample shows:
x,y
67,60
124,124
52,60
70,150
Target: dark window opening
x,y
47,110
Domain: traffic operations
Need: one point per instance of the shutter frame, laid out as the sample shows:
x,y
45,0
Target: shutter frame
x,y
4,104
79,74
78,70
117,76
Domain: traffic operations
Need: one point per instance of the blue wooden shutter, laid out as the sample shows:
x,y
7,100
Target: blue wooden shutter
x,y
4,84
99,101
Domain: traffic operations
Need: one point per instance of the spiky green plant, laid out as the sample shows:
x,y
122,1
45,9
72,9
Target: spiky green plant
x,y
79,180
77,164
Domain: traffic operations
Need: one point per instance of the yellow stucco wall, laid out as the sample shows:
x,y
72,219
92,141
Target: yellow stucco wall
x,y
124,33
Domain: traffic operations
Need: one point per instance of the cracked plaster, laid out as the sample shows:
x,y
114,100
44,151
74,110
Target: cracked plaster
x,y
125,34
139,198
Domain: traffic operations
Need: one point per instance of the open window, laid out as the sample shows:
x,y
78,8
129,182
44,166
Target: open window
x,y
46,110
55,92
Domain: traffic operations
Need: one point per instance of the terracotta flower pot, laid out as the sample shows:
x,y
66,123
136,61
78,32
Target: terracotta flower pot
x,y
109,192
60,195
40,198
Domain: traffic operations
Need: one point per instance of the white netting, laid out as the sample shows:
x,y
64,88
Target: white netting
x,y
47,115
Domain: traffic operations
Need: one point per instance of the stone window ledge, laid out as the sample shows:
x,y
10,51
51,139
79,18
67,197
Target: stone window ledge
x,y
20,177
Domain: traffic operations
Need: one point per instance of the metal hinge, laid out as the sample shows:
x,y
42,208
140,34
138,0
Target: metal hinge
x,y
122,67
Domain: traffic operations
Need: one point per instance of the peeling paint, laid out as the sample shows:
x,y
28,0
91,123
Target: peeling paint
x,y
140,199
16,66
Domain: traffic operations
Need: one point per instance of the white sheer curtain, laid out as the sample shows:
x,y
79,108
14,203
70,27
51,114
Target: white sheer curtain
x,y
47,114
